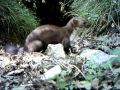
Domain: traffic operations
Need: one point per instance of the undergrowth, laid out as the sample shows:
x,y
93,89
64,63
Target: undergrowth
x,y
15,21
101,13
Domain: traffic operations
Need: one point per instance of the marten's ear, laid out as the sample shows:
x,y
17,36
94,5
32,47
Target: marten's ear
x,y
75,21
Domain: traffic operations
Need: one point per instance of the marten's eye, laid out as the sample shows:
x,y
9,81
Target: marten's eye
x,y
84,22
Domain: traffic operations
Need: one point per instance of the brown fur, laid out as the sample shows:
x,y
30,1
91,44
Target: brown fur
x,y
39,38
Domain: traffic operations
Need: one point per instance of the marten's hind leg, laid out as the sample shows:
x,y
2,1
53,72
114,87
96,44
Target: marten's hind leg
x,y
34,46
44,47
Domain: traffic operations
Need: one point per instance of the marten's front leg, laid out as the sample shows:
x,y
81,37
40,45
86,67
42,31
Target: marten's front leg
x,y
66,44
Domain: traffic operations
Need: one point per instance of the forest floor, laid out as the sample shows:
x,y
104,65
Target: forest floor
x,y
37,71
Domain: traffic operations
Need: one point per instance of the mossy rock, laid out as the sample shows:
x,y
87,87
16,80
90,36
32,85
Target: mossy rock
x,y
115,51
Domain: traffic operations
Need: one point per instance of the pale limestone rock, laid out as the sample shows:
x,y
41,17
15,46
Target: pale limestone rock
x,y
4,61
51,73
97,55
56,51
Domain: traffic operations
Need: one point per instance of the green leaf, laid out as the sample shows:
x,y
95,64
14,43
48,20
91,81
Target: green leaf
x,y
61,84
89,77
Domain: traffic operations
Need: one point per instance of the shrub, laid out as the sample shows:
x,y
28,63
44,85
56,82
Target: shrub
x,y
102,13
15,21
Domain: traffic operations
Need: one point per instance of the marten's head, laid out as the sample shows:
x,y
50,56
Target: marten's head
x,y
80,22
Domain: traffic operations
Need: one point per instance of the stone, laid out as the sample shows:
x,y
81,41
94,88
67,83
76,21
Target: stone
x,y
97,56
51,73
56,51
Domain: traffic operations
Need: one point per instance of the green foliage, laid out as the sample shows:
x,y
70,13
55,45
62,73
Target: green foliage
x,y
99,12
15,21
96,70
100,70
115,51
92,9
61,84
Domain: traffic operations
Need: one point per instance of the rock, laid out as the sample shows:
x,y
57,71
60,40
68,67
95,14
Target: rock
x,y
104,48
97,56
56,70
56,51
82,84
4,61
95,84
115,51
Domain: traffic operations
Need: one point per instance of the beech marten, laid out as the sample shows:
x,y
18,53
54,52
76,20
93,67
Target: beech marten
x,y
39,38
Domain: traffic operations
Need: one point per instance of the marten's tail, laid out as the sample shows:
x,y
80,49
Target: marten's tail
x,y
12,49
